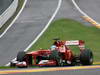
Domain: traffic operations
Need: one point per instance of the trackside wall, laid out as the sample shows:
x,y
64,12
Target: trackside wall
x,y
8,13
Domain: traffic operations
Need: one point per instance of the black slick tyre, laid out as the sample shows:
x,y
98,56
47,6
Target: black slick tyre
x,y
86,57
21,56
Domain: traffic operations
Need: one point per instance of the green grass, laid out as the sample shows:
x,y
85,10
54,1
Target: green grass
x,y
4,67
20,3
68,29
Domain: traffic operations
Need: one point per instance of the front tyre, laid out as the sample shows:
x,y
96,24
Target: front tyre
x,y
21,56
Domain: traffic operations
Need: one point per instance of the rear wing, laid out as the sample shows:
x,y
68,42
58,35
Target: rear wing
x,y
79,43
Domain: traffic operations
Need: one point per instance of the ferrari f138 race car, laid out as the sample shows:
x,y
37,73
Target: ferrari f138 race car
x,y
58,55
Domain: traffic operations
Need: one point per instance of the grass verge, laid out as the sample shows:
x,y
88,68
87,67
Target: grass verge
x,y
8,67
68,29
4,67
20,3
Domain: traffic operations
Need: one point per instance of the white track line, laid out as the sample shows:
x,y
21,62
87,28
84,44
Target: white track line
x,y
83,13
14,19
47,25
79,8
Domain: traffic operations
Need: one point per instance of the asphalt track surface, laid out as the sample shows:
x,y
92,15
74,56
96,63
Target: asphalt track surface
x,y
68,10
91,8
4,4
30,23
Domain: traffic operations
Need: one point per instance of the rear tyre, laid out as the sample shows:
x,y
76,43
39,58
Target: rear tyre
x,y
86,57
21,56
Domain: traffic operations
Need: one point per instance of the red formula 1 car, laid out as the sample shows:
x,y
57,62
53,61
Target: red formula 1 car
x,y
58,55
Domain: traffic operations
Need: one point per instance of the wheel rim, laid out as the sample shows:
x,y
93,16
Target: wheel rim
x,y
91,60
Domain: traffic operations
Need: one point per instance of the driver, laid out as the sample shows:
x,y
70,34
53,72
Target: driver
x,y
53,47
58,43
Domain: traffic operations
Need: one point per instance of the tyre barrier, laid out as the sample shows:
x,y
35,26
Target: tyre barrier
x,y
8,13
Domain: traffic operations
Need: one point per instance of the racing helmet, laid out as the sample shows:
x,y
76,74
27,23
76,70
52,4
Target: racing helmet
x,y
53,47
